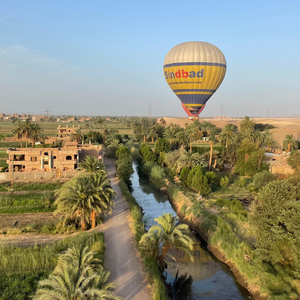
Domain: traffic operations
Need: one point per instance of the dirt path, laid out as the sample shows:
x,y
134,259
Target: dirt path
x,y
121,255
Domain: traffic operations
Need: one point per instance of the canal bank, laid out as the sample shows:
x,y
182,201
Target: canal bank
x,y
194,223
211,279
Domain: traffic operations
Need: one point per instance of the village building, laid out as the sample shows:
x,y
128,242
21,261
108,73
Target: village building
x,y
66,158
43,159
65,132
37,118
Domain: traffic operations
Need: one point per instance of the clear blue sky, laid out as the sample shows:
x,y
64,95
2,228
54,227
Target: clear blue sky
x,y
100,57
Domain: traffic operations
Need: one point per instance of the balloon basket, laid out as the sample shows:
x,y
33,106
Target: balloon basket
x,y
193,118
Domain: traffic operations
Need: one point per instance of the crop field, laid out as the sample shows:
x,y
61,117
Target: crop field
x,y
50,128
22,268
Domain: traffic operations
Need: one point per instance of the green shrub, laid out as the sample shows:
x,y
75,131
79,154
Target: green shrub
x,y
224,182
158,177
242,182
184,175
200,183
261,179
192,174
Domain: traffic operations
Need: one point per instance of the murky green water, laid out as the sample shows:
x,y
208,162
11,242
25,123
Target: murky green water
x,y
211,279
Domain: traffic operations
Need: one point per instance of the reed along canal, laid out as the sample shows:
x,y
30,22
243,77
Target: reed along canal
x,y
211,279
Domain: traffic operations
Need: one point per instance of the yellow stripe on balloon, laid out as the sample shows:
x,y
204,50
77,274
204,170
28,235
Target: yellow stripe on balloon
x,y
194,93
199,105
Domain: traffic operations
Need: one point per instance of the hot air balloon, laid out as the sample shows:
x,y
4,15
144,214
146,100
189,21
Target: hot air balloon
x,y
194,71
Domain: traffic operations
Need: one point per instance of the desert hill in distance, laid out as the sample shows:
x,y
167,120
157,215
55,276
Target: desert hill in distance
x,y
283,126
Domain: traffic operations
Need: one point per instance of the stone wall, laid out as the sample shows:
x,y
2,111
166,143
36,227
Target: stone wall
x,y
7,176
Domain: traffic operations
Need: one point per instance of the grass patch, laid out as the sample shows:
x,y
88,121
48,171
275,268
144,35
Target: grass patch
x,y
3,154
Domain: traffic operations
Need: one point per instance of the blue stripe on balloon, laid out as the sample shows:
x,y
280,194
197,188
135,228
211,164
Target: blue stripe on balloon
x,y
193,90
194,99
195,64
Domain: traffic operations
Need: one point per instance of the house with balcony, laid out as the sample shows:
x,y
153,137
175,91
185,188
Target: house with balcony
x,y
43,159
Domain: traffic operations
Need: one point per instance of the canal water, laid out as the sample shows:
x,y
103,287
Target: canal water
x,y
205,277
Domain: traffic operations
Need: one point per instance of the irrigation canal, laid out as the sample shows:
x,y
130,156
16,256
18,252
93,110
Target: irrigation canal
x,y
211,279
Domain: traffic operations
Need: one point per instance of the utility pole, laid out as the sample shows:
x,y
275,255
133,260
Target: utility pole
x,y
47,116
150,111
221,111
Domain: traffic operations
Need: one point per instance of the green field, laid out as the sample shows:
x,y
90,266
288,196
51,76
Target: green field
x,y
26,203
50,128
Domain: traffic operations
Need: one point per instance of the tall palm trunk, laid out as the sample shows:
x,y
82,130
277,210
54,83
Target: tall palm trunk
x,y
82,221
210,156
144,139
152,140
93,219
165,250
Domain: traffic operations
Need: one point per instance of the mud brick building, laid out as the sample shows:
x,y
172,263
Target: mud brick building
x,y
43,159
65,132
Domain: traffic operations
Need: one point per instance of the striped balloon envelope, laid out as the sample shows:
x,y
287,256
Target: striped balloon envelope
x,y
194,71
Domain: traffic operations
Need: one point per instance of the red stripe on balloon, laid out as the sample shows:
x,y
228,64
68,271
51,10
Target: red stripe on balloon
x,y
189,113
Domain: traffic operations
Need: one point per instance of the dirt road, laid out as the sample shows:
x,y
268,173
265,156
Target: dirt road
x,y
121,254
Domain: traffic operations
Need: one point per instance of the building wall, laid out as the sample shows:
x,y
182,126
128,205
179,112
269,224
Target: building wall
x,y
43,159
37,175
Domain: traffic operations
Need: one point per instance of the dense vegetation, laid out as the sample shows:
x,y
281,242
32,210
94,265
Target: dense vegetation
x,y
261,238
21,268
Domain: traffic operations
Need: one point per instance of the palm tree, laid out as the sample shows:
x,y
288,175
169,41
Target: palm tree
x,y
193,134
113,146
162,121
145,132
269,140
290,143
258,137
190,160
91,164
227,134
76,198
18,131
167,235
153,135
170,134
247,124
35,133
77,276
26,130
77,136
100,121
103,195
181,137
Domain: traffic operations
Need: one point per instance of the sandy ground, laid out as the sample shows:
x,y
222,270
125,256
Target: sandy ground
x,y
284,125
121,256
